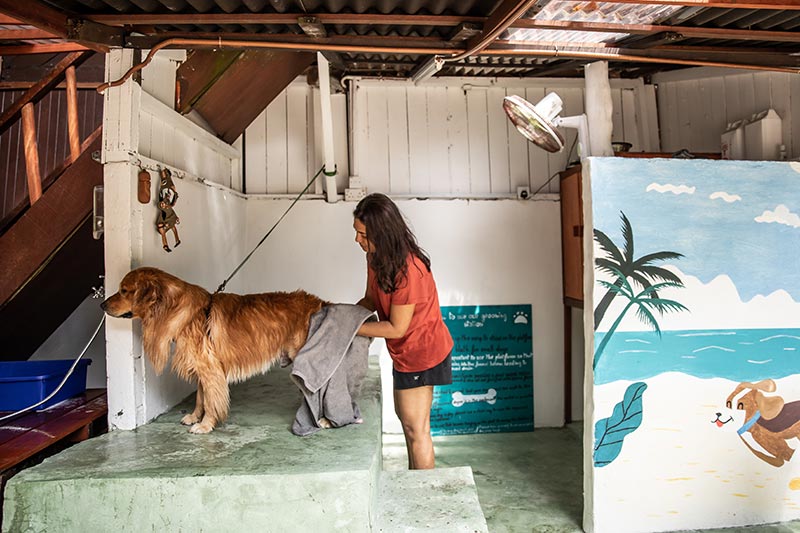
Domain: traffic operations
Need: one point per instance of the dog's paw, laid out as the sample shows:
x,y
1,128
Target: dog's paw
x,y
201,428
190,419
324,423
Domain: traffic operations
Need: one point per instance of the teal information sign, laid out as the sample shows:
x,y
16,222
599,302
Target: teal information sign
x,y
492,388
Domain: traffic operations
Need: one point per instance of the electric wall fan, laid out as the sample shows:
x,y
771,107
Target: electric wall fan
x,y
538,123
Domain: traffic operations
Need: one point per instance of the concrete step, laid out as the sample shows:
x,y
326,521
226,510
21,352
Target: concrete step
x,y
250,474
442,500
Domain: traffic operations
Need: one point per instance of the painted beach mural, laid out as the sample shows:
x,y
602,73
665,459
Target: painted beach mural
x,y
696,352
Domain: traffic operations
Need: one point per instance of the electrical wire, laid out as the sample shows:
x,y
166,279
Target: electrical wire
x,y
66,377
569,154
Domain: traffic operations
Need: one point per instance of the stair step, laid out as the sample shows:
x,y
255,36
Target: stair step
x,y
441,500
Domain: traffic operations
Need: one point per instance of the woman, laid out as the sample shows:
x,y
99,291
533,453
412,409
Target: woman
x,y
401,289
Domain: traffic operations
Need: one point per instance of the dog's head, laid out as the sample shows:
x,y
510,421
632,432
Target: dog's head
x,y
138,292
747,399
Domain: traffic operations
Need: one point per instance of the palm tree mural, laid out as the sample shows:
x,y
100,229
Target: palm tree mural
x,y
623,265
645,301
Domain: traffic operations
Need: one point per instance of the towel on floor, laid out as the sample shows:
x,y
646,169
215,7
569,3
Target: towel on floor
x,y
330,367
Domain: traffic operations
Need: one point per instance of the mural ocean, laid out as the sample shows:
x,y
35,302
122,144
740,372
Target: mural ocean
x,y
697,343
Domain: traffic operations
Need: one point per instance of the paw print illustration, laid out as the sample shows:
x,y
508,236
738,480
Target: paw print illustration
x,y
520,317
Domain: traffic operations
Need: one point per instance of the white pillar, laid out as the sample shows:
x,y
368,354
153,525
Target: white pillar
x,y
599,108
327,127
123,241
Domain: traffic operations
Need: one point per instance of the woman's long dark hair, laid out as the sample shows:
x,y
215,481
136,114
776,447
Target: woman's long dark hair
x,y
393,240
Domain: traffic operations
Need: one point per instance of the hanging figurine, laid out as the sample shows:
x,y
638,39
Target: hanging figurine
x,y
167,218
166,187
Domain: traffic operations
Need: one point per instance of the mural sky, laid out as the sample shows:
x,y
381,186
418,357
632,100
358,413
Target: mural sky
x,y
747,230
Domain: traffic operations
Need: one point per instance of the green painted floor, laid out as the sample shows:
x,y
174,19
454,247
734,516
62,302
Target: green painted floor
x,y
528,482
165,479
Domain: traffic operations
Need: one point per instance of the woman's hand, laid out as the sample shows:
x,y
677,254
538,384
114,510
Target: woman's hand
x,y
394,328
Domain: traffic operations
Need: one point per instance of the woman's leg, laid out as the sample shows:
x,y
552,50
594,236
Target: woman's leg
x,y
413,407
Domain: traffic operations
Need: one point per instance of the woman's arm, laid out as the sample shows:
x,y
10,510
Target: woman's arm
x,y
367,301
394,328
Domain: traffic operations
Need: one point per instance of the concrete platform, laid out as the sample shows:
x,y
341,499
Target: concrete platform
x,y
442,500
251,474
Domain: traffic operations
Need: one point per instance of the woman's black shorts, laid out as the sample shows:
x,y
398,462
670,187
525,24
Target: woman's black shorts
x,y
441,374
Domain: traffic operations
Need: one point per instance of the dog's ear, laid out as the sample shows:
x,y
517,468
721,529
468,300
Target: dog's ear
x,y
769,406
766,385
146,295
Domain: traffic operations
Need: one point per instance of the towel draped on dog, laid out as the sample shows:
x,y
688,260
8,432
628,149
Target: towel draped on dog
x,y
330,367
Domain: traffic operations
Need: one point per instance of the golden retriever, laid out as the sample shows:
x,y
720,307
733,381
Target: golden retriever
x,y
219,338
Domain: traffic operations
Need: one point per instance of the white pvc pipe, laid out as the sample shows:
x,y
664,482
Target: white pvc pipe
x,y
599,108
327,127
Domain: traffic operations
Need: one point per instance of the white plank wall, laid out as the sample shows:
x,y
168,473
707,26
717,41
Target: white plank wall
x,y
283,146
158,78
695,105
168,137
450,136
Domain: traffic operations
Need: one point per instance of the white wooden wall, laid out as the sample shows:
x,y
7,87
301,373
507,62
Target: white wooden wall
x,y
450,136
167,137
283,145
695,105
447,137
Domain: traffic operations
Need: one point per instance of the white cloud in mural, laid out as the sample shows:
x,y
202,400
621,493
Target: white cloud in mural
x,y
781,215
794,165
725,196
712,305
668,187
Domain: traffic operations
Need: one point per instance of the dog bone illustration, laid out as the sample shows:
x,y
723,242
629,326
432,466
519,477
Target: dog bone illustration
x,y
460,399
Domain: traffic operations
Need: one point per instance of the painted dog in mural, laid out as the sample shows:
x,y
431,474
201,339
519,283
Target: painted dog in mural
x,y
768,420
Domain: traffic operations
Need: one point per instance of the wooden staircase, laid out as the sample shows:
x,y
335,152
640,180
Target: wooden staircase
x,y
48,257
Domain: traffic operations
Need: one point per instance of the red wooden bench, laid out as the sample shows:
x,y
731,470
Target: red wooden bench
x,y
28,439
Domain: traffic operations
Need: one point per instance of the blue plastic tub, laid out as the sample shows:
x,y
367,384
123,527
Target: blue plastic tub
x,y
24,383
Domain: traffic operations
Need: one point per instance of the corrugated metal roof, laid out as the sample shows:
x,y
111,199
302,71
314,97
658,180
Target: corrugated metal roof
x,y
657,30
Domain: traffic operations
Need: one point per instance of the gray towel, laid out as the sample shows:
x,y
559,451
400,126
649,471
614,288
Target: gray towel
x,y
330,367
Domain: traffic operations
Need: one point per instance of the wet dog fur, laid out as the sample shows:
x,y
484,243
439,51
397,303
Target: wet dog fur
x,y
219,339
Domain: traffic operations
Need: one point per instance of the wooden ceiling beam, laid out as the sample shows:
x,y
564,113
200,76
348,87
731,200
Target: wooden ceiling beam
x,y
25,85
647,29
36,14
56,48
281,18
27,34
46,18
88,31
387,41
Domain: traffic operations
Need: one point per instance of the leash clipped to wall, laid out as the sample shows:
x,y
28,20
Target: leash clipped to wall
x,y
322,170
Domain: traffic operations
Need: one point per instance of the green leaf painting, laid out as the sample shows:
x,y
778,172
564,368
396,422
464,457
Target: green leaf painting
x,y
625,419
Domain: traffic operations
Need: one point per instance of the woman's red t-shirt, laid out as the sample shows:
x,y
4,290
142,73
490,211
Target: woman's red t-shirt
x,y
427,340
